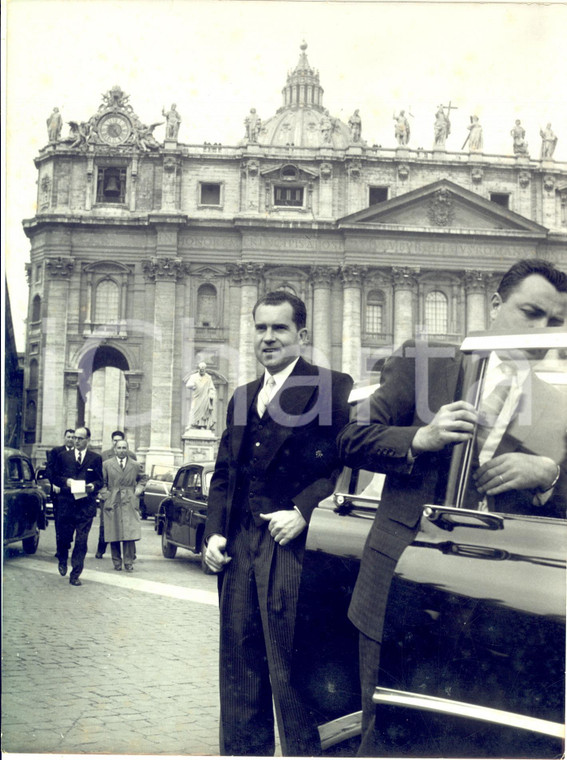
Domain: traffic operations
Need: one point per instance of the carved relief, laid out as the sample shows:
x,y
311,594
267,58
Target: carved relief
x,y
405,278
326,171
403,171
352,275
170,164
322,276
59,266
163,269
354,170
549,183
524,179
441,210
477,175
476,281
45,194
246,271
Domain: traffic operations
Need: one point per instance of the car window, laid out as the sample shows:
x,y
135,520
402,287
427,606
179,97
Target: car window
x,y
27,470
207,485
14,469
180,479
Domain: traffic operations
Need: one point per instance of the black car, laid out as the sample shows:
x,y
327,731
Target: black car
x,y
24,502
157,487
181,517
45,485
473,654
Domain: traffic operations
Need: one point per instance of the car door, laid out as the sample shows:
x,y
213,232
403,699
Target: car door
x,y
473,655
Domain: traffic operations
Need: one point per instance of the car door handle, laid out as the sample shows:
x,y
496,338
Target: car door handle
x,y
447,518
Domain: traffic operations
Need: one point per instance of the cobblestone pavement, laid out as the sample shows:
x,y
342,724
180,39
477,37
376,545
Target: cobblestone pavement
x,y
125,664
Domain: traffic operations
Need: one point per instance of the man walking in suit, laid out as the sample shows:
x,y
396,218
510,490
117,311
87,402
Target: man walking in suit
x,y
116,437
408,429
78,474
277,459
68,445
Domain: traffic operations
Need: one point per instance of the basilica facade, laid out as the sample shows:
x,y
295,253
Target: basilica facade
x,y
147,257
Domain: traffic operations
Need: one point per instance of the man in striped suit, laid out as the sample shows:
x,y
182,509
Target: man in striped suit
x,y
277,459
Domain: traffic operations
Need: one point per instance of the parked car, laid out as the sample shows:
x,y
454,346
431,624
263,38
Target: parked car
x,y
473,653
157,488
45,485
181,518
24,502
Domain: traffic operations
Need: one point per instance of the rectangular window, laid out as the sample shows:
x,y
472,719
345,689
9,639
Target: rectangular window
x,y
374,318
210,194
502,199
288,196
377,195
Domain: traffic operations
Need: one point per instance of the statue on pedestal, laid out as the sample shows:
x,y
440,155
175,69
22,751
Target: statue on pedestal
x,y
203,400
474,137
442,127
54,125
402,128
519,136
173,120
355,124
548,142
253,124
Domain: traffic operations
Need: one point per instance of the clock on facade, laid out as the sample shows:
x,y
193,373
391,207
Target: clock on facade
x,y
114,129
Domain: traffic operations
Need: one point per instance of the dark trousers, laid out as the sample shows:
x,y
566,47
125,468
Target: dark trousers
x,y
101,546
79,525
257,607
369,658
129,551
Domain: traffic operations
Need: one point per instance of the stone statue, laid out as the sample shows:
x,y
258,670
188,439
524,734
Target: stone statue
x,y
474,137
441,128
253,124
203,400
54,126
79,134
143,135
548,142
173,120
519,136
355,124
402,128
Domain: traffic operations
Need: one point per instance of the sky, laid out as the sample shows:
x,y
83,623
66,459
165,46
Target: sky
x,y
218,58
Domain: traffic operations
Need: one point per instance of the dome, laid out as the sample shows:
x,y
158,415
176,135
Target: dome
x,y
302,121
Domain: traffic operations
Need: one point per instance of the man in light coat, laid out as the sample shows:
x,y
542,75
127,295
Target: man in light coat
x,y
123,485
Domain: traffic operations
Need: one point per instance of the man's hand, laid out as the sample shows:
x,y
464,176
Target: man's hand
x,y
453,423
285,525
516,472
215,554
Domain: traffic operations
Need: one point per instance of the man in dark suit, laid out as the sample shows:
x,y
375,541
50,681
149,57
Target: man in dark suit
x,y
408,428
116,437
78,475
277,459
68,445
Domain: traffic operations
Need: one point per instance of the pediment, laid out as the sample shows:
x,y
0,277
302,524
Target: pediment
x,y
289,172
442,205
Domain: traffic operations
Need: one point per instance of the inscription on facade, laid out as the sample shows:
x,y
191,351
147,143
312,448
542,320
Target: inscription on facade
x,y
293,244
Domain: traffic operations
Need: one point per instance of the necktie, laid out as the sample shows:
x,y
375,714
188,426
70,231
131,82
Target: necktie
x,y
491,408
122,463
265,395
79,458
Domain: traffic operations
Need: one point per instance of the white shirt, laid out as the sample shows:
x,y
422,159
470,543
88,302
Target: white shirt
x,y
279,377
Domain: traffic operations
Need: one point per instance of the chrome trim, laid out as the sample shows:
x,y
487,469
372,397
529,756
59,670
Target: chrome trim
x,y
467,710
352,497
533,338
342,728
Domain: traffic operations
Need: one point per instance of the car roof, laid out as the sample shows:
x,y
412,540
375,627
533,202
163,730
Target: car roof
x,y
8,452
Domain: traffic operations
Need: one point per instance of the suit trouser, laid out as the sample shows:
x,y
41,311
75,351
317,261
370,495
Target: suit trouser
x,y
369,659
128,549
70,524
101,546
257,620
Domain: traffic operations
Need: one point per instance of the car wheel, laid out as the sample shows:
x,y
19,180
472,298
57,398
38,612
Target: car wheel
x,y
30,544
168,550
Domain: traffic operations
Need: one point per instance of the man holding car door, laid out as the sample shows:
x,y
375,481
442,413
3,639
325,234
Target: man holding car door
x,y
411,423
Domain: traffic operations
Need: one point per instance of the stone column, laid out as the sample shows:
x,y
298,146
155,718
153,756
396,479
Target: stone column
x,y
52,415
351,277
164,272
234,299
71,390
249,274
322,278
405,286
475,288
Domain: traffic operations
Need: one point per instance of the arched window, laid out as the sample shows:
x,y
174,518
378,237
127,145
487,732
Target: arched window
x,y
36,309
107,302
375,312
34,374
436,313
207,306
